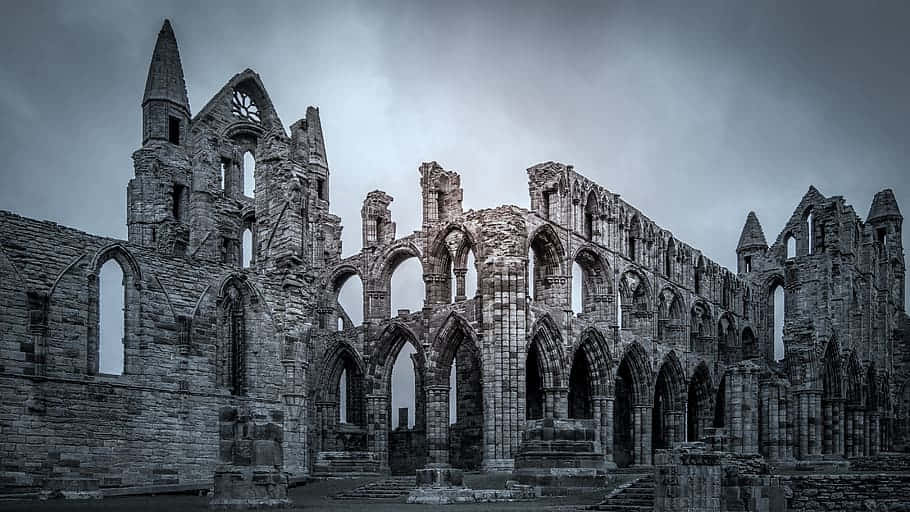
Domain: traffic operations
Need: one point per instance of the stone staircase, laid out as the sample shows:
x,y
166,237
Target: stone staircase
x,y
346,464
391,489
636,496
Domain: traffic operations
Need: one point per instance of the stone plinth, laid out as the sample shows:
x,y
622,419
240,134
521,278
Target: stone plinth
x,y
559,456
246,487
439,475
249,474
440,484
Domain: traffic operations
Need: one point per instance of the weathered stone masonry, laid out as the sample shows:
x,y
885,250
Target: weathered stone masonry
x,y
668,345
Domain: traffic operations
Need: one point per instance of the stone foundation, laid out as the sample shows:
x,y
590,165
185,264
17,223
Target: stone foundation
x,y
558,456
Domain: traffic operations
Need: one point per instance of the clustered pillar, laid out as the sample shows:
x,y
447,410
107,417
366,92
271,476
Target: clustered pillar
x,y
438,424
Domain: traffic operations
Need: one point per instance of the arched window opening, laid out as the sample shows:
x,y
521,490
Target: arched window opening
x,y
350,297
791,247
632,248
577,283
810,231
453,395
247,250
111,313
223,177
232,368
618,309
340,324
470,279
343,397
249,175
407,289
778,314
403,385
534,385
668,259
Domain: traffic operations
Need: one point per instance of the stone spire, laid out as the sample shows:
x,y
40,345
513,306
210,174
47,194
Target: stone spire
x,y
884,205
752,236
165,79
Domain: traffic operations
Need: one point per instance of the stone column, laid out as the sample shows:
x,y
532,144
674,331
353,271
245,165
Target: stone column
x,y
641,434
741,407
460,274
556,402
502,283
438,424
874,434
378,428
326,412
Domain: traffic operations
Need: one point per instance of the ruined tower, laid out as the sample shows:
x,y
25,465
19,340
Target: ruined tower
x,y
158,196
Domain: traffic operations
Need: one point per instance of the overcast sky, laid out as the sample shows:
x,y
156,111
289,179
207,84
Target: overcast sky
x,y
696,112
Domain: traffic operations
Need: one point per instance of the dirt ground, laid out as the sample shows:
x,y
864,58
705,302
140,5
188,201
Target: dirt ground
x,y
315,496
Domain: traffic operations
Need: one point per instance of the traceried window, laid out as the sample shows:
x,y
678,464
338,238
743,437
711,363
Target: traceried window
x,y
244,107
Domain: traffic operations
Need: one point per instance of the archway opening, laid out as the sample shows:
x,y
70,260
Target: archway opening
x,y
700,414
466,408
350,300
407,289
662,417
623,438
580,392
534,385
111,318
791,246
404,383
720,404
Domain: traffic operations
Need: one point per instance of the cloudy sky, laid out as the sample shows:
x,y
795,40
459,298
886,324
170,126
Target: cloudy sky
x,y
696,112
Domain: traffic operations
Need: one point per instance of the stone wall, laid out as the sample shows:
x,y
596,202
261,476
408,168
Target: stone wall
x,y
847,492
151,425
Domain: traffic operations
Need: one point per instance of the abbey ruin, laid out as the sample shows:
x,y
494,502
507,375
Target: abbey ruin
x,y
669,346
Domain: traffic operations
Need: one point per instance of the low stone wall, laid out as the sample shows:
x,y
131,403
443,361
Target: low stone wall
x,y
882,462
848,492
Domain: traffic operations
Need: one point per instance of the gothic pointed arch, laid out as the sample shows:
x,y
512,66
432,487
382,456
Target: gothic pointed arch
x,y
543,368
548,258
454,335
701,327
637,368
340,394
669,401
126,342
597,283
545,335
384,352
700,404
670,317
590,373
728,346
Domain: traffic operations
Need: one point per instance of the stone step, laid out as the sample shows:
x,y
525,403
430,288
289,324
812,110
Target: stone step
x,y
394,488
637,496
